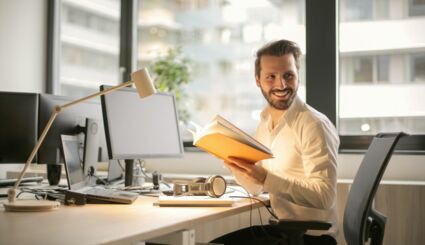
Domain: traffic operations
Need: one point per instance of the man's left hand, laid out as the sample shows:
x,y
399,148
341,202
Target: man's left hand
x,y
247,169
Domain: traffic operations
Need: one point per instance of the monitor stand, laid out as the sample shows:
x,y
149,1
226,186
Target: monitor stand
x,y
133,174
129,164
91,146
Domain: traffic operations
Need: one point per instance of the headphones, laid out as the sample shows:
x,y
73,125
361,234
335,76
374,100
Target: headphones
x,y
213,186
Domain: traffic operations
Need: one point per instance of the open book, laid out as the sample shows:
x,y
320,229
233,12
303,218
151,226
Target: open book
x,y
223,139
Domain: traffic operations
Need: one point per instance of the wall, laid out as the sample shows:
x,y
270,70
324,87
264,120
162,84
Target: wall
x,y
22,45
22,49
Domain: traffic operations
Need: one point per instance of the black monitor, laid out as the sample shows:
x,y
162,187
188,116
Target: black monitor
x,y
140,128
18,126
70,121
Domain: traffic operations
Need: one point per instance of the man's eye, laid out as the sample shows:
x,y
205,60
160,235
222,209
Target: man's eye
x,y
270,77
288,76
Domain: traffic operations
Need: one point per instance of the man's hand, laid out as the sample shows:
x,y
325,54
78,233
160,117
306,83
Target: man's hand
x,y
247,169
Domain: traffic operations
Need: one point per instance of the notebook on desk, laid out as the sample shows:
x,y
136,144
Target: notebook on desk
x,y
194,201
77,180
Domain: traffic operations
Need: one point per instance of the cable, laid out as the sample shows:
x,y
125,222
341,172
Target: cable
x,y
142,163
262,202
261,218
257,199
251,204
36,193
259,212
120,164
100,179
142,166
274,239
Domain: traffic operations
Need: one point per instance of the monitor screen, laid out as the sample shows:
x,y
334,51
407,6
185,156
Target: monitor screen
x,y
66,122
138,128
18,126
74,172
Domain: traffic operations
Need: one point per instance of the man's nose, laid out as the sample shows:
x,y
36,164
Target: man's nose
x,y
281,82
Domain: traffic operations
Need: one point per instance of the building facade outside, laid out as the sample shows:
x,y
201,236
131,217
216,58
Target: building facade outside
x,y
381,64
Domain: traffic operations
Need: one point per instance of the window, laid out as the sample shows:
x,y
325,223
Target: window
x,y
89,46
219,38
363,10
365,69
418,68
416,7
381,73
381,55
352,10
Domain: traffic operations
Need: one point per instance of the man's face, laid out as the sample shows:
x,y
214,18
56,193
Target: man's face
x,y
278,80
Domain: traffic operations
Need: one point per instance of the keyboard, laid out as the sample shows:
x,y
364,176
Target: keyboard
x,y
96,194
11,182
99,191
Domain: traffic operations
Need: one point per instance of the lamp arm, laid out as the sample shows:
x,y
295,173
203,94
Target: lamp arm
x,y
11,194
106,91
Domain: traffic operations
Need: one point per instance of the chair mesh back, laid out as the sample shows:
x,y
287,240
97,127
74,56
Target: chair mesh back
x,y
365,185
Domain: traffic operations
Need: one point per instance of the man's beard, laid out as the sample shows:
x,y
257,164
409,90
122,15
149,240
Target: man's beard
x,y
280,104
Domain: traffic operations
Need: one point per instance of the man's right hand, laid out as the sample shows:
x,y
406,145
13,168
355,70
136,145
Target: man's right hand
x,y
255,173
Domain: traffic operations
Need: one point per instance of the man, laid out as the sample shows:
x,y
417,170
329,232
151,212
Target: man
x,y
301,178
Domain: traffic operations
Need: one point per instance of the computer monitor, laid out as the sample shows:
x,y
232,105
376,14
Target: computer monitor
x,y
70,121
92,132
140,128
70,151
18,126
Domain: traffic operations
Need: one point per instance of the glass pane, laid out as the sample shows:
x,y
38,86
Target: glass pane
x,y
363,69
418,71
383,66
89,42
219,38
416,7
382,63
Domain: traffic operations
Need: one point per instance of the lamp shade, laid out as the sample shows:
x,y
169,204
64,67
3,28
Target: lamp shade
x,y
143,82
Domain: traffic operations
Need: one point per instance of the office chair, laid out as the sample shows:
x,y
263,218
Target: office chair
x,y
361,220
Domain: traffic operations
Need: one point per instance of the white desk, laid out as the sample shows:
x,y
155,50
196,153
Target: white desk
x,y
107,223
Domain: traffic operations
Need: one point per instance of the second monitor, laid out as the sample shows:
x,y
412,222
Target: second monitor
x,y
140,128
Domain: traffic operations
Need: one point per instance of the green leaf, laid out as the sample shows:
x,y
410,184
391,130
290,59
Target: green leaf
x,y
171,73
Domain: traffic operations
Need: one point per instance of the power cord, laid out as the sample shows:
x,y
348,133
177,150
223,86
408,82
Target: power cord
x,y
155,177
39,195
100,179
268,208
254,198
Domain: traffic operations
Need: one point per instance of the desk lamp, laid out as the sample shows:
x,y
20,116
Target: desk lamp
x,y
144,86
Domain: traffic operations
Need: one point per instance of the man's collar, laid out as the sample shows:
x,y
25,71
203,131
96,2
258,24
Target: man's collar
x,y
290,114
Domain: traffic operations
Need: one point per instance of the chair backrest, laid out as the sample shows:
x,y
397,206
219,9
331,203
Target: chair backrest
x,y
361,221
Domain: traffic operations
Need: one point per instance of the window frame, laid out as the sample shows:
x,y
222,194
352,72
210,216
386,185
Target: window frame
x,y
322,24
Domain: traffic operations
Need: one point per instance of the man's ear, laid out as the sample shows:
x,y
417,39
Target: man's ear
x,y
257,80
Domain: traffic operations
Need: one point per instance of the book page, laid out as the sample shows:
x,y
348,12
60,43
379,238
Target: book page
x,y
223,146
241,135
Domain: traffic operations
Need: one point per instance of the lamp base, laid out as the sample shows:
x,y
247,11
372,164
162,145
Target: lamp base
x,y
31,205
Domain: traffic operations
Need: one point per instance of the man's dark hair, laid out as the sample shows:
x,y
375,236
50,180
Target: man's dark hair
x,y
278,48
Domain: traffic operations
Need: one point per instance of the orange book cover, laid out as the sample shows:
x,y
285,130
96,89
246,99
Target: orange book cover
x,y
223,139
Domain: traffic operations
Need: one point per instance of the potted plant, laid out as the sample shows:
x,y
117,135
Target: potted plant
x,y
171,73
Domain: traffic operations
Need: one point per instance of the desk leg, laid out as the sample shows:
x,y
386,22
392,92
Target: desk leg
x,y
184,237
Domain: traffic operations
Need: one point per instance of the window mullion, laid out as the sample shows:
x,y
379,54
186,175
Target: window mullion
x,y
322,56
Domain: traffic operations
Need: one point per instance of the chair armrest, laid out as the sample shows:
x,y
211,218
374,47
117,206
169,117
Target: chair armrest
x,y
287,224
